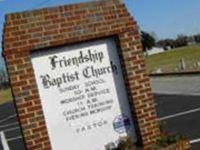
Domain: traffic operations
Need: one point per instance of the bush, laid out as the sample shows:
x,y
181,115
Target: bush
x,y
125,143
166,140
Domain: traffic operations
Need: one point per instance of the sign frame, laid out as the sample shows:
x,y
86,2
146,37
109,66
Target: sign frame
x,y
118,105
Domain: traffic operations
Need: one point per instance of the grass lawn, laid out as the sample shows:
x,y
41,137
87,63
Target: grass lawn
x,y
5,96
169,60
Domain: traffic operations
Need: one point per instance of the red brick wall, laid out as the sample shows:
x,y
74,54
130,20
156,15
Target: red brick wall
x,y
29,31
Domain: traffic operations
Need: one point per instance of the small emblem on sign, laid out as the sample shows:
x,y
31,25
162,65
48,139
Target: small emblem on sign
x,y
121,123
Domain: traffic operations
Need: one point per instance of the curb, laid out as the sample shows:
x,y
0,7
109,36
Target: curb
x,y
174,74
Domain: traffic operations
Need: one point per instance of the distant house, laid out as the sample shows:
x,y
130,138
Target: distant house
x,y
154,50
191,40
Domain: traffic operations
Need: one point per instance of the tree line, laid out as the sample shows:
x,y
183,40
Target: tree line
x,y
149,41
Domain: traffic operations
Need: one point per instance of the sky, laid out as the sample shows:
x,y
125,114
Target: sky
x,y
164,18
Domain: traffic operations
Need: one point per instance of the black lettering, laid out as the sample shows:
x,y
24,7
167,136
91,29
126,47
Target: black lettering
x,y
53,62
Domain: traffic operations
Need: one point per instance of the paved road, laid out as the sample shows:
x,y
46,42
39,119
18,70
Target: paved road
x,y
180,115
182,85
9,124
178,103
1,147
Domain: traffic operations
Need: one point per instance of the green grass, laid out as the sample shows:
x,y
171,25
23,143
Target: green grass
x,y
5,96
169,60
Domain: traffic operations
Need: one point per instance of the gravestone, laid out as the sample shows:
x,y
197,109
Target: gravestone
x,y
78,76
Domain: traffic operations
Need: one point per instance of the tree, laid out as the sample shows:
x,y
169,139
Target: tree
x,y
3,75
166,44
148,41
3,80
197,38
182,40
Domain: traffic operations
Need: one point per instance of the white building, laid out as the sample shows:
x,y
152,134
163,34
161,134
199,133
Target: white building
x,y
154,50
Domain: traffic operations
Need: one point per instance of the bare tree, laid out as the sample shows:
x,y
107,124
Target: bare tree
x,y
3,75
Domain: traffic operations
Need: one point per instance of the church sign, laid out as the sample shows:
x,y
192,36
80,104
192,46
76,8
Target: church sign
x,y
83,95
78,77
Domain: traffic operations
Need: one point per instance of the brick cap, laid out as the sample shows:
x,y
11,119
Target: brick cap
x,y
54,26
16,15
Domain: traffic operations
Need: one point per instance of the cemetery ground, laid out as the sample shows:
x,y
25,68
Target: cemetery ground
x,y
169,61
177,102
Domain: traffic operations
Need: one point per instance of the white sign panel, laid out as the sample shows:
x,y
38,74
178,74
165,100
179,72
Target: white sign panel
x,y
83,95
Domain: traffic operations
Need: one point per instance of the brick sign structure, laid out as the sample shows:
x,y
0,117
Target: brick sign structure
x,y
95,40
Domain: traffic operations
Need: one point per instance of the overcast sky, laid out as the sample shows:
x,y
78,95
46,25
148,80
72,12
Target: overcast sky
x,y
166,18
